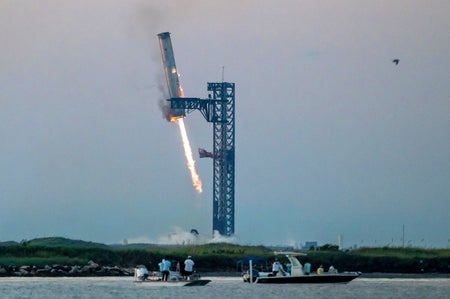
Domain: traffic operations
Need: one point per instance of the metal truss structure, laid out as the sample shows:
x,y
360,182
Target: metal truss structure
x,y
218,109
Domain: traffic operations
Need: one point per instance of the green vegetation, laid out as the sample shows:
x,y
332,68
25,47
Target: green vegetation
x,y
63,242
400,252
218,257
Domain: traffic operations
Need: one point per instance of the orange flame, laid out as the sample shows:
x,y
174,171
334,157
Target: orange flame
x,y
196,182
173,118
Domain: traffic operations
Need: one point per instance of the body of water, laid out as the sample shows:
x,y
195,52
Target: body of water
x,y
220,287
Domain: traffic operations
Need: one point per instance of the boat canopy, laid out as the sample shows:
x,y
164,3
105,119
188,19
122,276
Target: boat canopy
x,y
250,258
246,260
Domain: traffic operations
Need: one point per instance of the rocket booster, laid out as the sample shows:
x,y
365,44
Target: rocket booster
x,y
170,69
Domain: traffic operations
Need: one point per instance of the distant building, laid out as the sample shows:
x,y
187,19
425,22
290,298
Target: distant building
x,y
310,245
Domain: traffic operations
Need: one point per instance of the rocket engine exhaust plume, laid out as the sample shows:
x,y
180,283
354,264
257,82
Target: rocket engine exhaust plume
x,y
196,182
175,91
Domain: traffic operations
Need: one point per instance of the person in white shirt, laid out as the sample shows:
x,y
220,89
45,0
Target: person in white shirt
x,y
188,267
275,267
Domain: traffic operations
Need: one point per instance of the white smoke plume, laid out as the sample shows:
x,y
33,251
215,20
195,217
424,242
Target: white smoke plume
x,y
218,238
180,236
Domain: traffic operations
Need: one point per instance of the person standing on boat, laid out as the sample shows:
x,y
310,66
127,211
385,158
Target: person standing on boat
x,y
188,267
276,266
165,265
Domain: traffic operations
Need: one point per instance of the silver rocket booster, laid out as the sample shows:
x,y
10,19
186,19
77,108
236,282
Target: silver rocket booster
x,y
170,69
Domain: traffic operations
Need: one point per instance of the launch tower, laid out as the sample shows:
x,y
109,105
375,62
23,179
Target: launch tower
x,y
223,157
219,110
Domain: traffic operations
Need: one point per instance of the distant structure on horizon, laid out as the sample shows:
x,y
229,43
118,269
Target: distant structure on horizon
x,y
310,244
341,242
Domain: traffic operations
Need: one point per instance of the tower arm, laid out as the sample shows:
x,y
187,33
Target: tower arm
x,y
207,107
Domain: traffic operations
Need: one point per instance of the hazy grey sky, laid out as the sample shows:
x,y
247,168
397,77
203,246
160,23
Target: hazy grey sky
x,y
331,137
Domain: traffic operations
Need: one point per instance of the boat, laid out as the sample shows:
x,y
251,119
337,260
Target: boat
x,y
299,274
142,276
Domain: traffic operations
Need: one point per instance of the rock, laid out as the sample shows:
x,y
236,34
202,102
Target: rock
x,y
85,270
24,270
74,271
91,269
43,272
93,264
101,270
60,267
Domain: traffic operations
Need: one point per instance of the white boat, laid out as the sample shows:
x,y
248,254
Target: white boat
x,y
299,275
142,276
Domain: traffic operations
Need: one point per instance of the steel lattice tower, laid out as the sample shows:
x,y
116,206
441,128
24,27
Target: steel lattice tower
x,y
218,109
223,173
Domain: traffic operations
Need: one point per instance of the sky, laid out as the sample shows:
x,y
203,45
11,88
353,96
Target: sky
x,y
332,138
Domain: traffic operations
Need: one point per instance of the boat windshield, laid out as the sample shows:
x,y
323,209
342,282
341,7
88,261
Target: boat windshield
x,y
294,261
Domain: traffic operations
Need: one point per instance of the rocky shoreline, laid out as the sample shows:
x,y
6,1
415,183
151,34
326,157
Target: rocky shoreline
x,y
91,269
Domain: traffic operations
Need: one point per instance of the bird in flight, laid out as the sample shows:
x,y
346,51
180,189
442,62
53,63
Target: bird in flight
x,y
396,61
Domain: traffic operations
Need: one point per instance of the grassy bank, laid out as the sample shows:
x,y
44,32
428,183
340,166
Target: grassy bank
x,y
218,257
387,260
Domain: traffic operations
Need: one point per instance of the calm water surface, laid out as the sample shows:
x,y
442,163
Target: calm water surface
x,y
223,287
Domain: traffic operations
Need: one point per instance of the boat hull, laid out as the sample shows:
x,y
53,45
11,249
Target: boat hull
x,y
313,278
185,283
